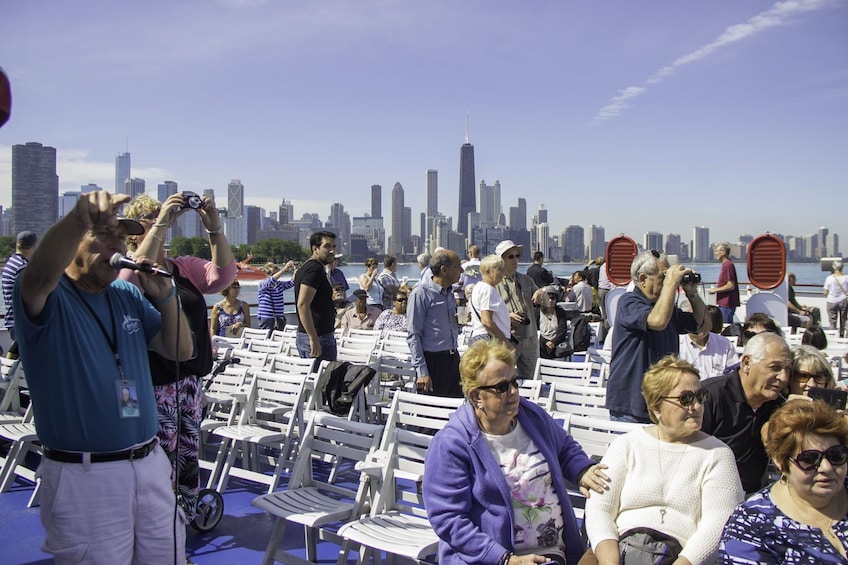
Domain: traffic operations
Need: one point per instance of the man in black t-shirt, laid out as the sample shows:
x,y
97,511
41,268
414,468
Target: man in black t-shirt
x,y
313,295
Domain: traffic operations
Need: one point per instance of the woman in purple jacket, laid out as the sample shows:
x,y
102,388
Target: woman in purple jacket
x,y
494,478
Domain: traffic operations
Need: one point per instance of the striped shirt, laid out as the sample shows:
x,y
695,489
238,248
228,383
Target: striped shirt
x,y
270,297
14,265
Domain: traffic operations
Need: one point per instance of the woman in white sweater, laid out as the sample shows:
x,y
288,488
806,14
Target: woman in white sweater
x,y
668,479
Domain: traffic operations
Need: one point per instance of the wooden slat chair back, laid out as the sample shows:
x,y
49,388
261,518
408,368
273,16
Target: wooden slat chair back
x,y
315,497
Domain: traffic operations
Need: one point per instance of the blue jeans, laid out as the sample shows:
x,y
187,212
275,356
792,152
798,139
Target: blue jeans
x,y
328,346
727,314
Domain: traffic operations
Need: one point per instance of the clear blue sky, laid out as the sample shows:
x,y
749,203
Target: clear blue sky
x,y
649,115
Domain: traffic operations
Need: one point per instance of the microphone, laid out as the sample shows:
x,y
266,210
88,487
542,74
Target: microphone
x,y
118,261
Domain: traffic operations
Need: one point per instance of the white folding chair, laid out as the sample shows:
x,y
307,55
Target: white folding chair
x,y
278,397
315,496
567,398
249,334
268,346
24,440
583,373
397,524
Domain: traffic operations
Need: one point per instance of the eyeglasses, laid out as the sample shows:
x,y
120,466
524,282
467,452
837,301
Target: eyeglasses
x,y
399,299
687,397
655,253
803,376
148,216
513,256
503,386
810,459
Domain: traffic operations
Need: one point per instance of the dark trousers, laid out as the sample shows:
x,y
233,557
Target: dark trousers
x,y
444,372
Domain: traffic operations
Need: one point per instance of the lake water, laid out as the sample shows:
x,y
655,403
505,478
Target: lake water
x,y
806,273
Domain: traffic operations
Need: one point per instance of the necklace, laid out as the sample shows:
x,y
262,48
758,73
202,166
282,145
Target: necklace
x,y
663,475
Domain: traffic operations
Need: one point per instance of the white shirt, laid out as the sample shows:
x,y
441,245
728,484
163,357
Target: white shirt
x,y
716,355
583,292
486,297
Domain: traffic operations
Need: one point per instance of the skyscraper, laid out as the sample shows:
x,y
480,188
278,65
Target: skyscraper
x,y
572,243
396,245
35,187
653,240
467,183
701,245
254,223
376,201
673,245
542,214
235,199
134,187
432,192
597,242
122,171
286,212
166,189
490,204
518,216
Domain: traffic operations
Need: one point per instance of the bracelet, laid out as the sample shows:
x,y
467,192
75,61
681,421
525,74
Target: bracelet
x,y
160,225
213,232
506,557
166,300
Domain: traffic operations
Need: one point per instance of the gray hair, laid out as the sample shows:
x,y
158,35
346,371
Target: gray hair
x,y
809,356
836,265
490,262
424,259
758,344
647,262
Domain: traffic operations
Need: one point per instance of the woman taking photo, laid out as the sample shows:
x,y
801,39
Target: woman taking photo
x,y
489,313
369,283
494,476
672,486
802,517
178,396
231,315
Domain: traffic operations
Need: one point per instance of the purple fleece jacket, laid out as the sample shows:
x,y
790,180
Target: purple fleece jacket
x,y
466,495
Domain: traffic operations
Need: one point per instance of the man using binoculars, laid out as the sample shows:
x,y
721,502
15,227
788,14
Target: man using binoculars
x,y
647,327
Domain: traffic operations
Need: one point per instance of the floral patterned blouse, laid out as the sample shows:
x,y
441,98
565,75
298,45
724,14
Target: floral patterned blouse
x,y
759,532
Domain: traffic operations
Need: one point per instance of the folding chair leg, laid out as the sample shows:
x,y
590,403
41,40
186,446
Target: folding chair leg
x,y
223,451
35,499
311,544
16,457
277,533
225,472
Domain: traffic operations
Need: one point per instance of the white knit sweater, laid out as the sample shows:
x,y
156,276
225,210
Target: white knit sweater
x,y
697,484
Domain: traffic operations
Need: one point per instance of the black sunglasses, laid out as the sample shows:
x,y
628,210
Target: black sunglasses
x,y
687,398
399,299
655,253
803,376
514,256
503,386
810,459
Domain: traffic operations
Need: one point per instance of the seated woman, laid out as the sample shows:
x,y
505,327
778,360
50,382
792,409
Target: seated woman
x,y
494,477
395,318
231,315
815,336
553,324
803,517
667,480
810,368
489,313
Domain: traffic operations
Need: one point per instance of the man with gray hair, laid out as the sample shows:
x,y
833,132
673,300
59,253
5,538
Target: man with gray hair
x,y
424,265
518,290
647,327
741,402
432,328
727,286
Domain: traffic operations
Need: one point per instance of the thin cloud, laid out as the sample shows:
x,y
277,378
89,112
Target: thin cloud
x,y
775,16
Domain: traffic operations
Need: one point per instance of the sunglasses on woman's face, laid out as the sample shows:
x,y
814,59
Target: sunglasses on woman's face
x,y
503,386
687,397
810,459
821,379
401,299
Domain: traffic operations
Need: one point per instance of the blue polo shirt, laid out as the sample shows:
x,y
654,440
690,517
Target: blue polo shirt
x,y
635,349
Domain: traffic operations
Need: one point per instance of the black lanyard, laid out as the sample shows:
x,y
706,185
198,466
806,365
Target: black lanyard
x,y
111,339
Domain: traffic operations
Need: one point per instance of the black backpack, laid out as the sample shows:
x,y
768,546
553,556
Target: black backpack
x,y
581,333
339,383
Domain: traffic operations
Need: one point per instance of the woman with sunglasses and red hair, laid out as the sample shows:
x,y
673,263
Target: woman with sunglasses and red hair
x,y
672,486
494,476
802,517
